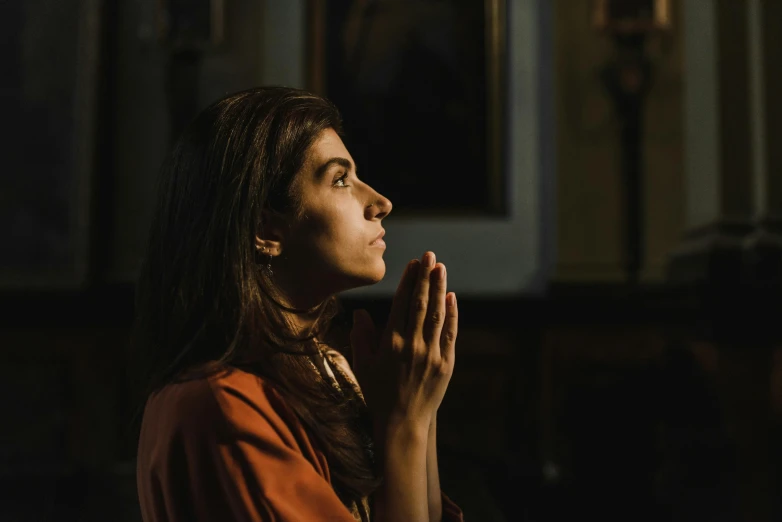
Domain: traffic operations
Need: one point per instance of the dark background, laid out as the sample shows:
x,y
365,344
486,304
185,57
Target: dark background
x,y
655,398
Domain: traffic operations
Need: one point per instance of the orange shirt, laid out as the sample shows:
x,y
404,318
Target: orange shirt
x,y
227,448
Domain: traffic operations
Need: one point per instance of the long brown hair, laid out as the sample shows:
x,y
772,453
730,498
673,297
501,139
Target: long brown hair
x,y
203,301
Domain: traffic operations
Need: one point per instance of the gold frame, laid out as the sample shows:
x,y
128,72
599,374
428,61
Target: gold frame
x,y
495,52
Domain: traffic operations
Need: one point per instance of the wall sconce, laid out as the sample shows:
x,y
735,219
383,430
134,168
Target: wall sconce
x,y
627,77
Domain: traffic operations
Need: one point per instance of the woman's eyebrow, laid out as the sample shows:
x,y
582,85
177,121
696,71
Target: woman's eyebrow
x,y
342,162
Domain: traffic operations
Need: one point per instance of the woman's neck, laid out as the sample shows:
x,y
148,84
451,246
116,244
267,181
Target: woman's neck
x,y
302,320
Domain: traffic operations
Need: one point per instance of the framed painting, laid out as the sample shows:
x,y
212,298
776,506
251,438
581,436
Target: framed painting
x,y
421,89
503,254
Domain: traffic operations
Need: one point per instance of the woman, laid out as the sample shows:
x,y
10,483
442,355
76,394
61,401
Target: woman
x,y
252,412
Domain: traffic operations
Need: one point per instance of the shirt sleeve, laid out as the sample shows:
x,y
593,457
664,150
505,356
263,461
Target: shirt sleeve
x,y
258,460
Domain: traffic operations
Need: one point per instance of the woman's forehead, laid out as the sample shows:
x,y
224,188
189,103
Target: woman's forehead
x,y
328,145
326,151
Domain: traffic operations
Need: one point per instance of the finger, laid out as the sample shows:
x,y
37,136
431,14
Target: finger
x,y
362,342
435,315
397,320
450,329
420,298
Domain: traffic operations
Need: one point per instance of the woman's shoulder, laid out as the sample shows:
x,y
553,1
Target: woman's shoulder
x,y
232,398
234,422
239,393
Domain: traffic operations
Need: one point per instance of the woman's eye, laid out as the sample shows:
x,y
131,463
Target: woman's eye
x,y
340,181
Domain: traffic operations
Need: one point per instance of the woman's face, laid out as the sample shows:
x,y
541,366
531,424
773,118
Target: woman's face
x,y
332,244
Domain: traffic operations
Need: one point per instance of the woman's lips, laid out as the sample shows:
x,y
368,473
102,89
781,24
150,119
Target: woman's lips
x,y
378,241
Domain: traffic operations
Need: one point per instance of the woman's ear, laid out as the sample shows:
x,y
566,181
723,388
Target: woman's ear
x,y
268,246
272,236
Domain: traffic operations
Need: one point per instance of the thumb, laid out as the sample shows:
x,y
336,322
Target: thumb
x,y
362,339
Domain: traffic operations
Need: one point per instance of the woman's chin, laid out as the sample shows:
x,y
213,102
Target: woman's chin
x,y
369,277
374,277
379,272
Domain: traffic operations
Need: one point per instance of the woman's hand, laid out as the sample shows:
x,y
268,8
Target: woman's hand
x,y
405,375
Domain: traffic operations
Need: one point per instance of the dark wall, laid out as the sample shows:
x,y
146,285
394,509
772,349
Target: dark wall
x,y
594,400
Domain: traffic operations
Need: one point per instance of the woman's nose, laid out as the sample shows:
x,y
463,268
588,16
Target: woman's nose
x,y
380,208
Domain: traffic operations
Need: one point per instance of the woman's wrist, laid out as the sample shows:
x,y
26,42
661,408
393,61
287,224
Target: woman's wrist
x,y
403,495
407,429
401,432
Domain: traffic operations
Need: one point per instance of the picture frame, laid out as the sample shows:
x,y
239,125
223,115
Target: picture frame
x,y
421,86
502,256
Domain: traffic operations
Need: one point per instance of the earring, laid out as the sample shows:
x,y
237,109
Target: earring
x,y
268,267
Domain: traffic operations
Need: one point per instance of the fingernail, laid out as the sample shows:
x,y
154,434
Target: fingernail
x,y
441,272
451,299
429,259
